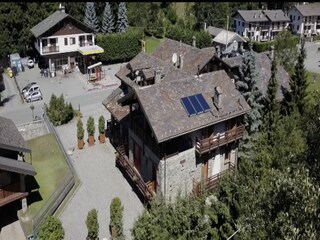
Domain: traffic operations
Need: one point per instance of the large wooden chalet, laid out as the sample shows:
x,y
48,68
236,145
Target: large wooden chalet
x,y
175,125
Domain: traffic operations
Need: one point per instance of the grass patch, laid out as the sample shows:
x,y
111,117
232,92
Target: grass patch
x,y
51,168
313,85
152,43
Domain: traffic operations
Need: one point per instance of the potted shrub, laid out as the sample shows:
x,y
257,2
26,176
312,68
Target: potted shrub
x,y
80,134
102,122
116,221
90,130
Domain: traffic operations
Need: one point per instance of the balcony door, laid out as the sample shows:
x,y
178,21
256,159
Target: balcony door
x,y
137,157
204,170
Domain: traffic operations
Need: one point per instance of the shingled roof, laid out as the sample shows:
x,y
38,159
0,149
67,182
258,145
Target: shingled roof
x,y
253,15
311,9
263,62
10,137
276,16
11,165
51,21
161,104
192,56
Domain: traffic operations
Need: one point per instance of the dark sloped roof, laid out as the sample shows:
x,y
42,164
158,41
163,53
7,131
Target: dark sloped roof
x,y
253,15
48,23
311,9
192,56
166,115
263,62
276,15
214,31
11,165
10,137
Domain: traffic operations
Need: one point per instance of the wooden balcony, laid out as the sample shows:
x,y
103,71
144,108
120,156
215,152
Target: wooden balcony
x,y
144,188
211,182
10,193
214,142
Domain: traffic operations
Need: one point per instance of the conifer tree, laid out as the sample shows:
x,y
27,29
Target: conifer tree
x,y
91,19
122,23
298,85
271,107
247,85
108,20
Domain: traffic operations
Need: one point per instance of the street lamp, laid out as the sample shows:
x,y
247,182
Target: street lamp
x,y
32,108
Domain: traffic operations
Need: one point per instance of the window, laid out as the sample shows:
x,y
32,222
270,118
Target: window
x,y
291,17
238,23
297,27
294,17
66,41
72,41
44,42
298,18
242,24
234,22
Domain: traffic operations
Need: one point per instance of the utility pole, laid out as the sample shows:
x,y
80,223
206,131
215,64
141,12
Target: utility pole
x,y
227,32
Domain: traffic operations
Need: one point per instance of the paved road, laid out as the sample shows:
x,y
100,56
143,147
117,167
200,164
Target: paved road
x,y
312,61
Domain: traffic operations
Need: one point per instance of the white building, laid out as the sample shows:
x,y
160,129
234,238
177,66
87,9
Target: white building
x,y
260,25
305,19
61,41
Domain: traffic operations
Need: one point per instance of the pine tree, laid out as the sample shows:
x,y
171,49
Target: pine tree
x,y
108,21
271,107
248,87
91,19
298,85
122,23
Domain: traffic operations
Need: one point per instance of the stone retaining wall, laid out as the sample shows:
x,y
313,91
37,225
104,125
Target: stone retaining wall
x,y
33,130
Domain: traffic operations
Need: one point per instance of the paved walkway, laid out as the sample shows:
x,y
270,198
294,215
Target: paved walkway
x,y
312,61
12,231
100,182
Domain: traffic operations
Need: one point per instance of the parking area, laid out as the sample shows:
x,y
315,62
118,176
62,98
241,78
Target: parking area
x,y
312,61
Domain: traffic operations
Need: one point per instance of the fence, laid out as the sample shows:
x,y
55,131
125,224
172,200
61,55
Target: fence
x,y
57,197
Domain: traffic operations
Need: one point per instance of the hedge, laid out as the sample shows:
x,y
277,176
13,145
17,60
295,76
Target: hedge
x,y
120,47
262,46
203,39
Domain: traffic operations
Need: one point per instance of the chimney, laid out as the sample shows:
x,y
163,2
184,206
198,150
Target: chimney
x,y
254,15
61,8
180,61
157,76
205,26
275,15
194,41
217,98
260,15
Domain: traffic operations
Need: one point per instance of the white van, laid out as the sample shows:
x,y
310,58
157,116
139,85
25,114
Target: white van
x,y
31,90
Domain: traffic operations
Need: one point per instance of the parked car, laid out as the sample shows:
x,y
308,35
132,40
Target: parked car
x,y
34,96
31,90
28,86
30,63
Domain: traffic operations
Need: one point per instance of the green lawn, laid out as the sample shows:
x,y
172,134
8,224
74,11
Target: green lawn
x,y
51,168
152,43
313,86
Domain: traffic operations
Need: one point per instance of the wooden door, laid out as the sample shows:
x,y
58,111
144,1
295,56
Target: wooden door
x,y
204,171
137,157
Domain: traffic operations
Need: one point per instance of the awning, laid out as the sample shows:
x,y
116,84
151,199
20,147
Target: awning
x,y
95,65
90,50
16,166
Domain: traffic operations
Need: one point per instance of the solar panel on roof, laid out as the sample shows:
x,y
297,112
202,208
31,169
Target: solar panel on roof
x,y
203,102
188,107
195,103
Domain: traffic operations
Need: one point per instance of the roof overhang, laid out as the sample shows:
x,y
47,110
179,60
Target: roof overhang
x,y
88,50
11,165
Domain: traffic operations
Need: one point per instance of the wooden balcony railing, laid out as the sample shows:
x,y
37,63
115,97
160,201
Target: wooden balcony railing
x,y
144,188
10,193
214,142
211,182
50,49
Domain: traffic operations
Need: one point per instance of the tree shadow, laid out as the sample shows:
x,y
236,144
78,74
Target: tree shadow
x,y
33,197
7,99
32,187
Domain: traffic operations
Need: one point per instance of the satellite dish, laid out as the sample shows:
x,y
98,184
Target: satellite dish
x,y
174,58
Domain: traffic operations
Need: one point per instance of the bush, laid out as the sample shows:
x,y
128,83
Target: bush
x,y
92,224
80,130
262,46
59,112
90,126
102,123
120,47
51,229
116,215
